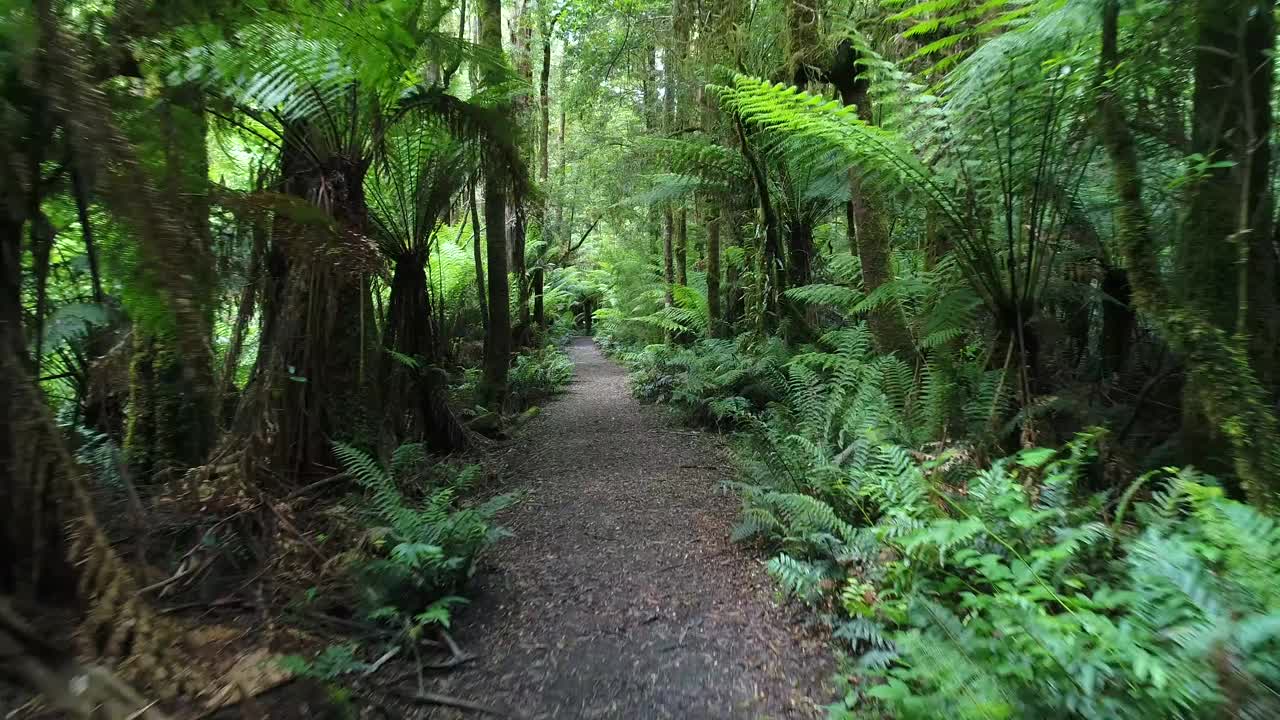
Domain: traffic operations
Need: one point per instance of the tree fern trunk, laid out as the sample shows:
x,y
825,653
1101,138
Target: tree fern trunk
x,y
416,399
714,322
493,390
865,224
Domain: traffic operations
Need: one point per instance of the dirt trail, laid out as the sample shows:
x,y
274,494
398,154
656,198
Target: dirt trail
x,y
620,595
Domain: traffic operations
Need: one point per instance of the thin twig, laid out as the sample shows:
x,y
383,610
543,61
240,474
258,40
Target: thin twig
x,y
316,485
430,698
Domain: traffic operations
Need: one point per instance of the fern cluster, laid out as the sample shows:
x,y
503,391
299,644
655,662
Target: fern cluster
x,y
1005,593
712,383
960,587
423,552
539,374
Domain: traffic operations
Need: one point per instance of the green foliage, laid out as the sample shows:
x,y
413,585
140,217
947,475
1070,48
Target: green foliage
x,y
539,374
719,383
1054,613
422,556
330,664
988,591
1005,595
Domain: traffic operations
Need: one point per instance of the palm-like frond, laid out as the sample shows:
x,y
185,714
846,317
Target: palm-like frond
x,y
419,171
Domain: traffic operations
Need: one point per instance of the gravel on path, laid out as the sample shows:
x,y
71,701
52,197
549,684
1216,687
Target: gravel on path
x,y
620,595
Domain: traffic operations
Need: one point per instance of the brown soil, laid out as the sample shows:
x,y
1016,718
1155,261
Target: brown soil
x,y
620,595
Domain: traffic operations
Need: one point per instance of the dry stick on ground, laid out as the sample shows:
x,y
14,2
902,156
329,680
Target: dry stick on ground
x,y
429,698
187,572
453,646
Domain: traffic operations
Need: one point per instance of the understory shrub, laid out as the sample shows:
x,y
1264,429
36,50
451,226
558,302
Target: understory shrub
x,y
1010,597
539,374
713,383
956,586
962,588
420,554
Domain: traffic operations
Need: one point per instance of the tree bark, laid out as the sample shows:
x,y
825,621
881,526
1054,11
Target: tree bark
x,y
771,286
668,252
867,229
1228,230
682,246
172,409
315,351
679,113
493,391
478,259
735,304
416,402
1239,406
544,168
714,323
802,41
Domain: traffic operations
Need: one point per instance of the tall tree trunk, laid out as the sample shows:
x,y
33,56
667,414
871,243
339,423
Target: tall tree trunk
x,y
802,41
682,247
498,356
668,252
477,257
521,53
715,325
680,112
13,343
770,280
866,226
651,110
563,175
1240,407
1228,230
172,425
544,168
244,314
735,300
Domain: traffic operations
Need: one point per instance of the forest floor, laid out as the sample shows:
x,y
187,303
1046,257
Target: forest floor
x,y
620,595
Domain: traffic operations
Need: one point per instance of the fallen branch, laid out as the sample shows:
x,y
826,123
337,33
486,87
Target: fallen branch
x,y
317,485
186,571
430,698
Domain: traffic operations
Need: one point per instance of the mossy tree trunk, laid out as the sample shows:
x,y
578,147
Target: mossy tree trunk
x,y
865,222
1226,260
682,246
1234,401
668,252
735,297
679,90
715,323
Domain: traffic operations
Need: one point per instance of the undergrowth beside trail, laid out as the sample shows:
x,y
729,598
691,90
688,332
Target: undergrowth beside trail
x,y
961,585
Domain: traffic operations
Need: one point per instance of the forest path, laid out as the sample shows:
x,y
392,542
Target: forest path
x,y
620,595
